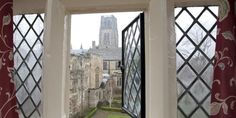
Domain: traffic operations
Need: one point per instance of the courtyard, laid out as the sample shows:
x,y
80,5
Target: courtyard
x,y
109,114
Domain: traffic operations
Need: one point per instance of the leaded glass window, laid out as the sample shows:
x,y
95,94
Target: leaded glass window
x,y
195,46
133,71
28,48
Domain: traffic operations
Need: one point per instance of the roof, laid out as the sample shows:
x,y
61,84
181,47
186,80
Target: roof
x,y
107,53
78,51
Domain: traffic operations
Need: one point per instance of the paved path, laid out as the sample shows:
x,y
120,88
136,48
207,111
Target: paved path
x,y
100,114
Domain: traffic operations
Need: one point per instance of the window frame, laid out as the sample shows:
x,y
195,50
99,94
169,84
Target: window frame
x,y
187,89
158,73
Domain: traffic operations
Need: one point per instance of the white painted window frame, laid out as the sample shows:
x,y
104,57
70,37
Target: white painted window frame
x,y
161,95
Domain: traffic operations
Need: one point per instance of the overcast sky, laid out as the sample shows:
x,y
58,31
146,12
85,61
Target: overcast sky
x,y
85,27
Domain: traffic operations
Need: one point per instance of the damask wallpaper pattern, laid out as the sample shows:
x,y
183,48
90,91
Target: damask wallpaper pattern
x,y
223,104
7,89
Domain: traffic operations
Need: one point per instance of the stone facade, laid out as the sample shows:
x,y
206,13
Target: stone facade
x,y
108,48
95,95
111,67
85,75
88,67
108,35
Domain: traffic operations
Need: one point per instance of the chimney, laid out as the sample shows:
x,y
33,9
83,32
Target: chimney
x,y
93,44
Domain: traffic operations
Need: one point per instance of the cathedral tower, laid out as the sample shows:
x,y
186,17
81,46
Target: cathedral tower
x,y
108,35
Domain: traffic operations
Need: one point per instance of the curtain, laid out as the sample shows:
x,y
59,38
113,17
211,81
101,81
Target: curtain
x,y
7,89
223,104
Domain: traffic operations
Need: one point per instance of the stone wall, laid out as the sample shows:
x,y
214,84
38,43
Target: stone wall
x,y
85,75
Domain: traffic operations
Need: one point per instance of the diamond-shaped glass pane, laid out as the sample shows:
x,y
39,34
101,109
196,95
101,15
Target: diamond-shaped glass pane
x,y
132,61
177,10
31,38
16,19
211,20
208,47
30,18
23,72
185,47
23,26
137,33
188,20
134,92
31,60
195,11
179,114
194,59
214,32
207,75
137,60
36,96
24,49
179,61
186,75
29,84
17,60
28,63
199,114
199,90
198,61
17,81
41,36
38,26
214,9
28,107
137,80
37,49
17,38
178,33
196,34
206,104
137,106
187,104
180,89
131,103
35,115
21,95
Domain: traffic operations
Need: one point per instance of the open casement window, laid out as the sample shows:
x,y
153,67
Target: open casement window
x,y
195,48
133,99
28,49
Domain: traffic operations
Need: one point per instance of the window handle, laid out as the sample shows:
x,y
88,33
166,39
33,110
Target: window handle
x,y
122,67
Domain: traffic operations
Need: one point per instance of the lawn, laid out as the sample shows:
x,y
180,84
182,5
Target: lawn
x,y
117,116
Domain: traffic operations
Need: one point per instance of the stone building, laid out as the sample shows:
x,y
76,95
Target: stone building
x,y
85,75
108,48
108,34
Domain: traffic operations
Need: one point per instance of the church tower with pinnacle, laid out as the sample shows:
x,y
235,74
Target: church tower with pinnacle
x,y
108,35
